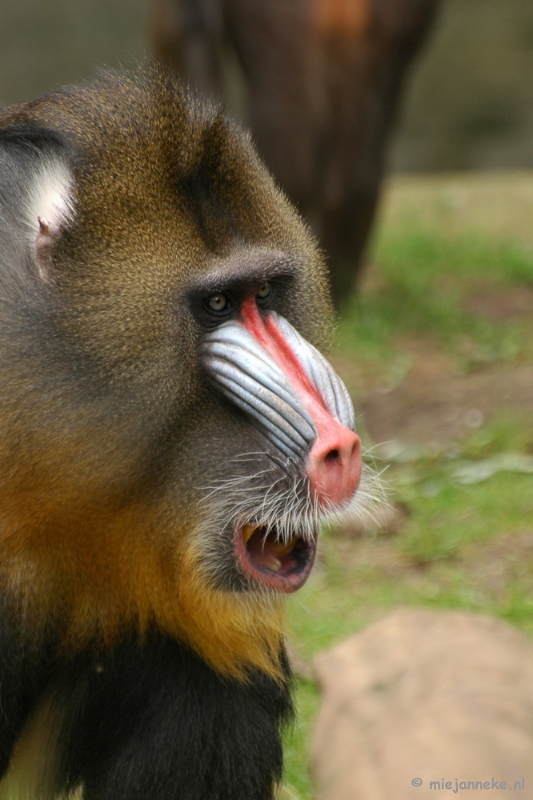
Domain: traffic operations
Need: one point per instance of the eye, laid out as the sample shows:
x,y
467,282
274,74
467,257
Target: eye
x,y
265,290
219,303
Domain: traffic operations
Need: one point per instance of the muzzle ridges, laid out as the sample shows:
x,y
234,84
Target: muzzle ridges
x,y
251,379
321,373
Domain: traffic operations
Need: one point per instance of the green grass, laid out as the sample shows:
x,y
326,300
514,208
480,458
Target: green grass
x,y
422,279
460,548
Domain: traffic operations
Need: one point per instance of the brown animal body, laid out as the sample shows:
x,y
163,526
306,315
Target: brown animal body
x,y
169,443
323,81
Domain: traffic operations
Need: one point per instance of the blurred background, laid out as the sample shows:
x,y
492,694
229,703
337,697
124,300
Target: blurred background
x,y
469,104
436,344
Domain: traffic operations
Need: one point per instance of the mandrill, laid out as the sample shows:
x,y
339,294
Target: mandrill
x,y
170,439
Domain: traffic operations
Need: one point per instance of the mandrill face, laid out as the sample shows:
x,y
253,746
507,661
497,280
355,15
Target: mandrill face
x,y
310,458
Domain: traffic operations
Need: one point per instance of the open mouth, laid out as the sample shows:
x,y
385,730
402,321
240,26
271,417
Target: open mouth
x,y
277,564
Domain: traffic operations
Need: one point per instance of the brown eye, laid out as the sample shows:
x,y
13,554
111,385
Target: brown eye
x,y
264,291
218,303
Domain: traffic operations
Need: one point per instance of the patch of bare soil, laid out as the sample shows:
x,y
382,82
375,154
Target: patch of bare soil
x,y
489,566
497,561
379,557
432,403
508,303
442,407
425,357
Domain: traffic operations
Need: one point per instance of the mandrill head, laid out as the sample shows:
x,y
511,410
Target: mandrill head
x,y
171,437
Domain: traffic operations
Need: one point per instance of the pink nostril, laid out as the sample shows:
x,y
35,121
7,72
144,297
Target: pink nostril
x,y
334,464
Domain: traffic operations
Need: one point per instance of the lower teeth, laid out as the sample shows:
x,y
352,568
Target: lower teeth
x,y
273,563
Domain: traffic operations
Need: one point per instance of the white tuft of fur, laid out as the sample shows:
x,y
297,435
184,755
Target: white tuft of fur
x,y
50,197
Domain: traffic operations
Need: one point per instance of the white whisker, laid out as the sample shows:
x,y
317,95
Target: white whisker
x,y
279,503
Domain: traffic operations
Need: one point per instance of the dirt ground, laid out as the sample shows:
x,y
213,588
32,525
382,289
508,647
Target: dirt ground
x,y
442,407
433,404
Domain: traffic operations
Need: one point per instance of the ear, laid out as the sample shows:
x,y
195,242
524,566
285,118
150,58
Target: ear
x,y
41,184
50,210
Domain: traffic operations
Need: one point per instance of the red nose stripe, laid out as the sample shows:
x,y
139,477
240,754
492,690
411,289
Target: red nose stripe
x,y
271,339
334,463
